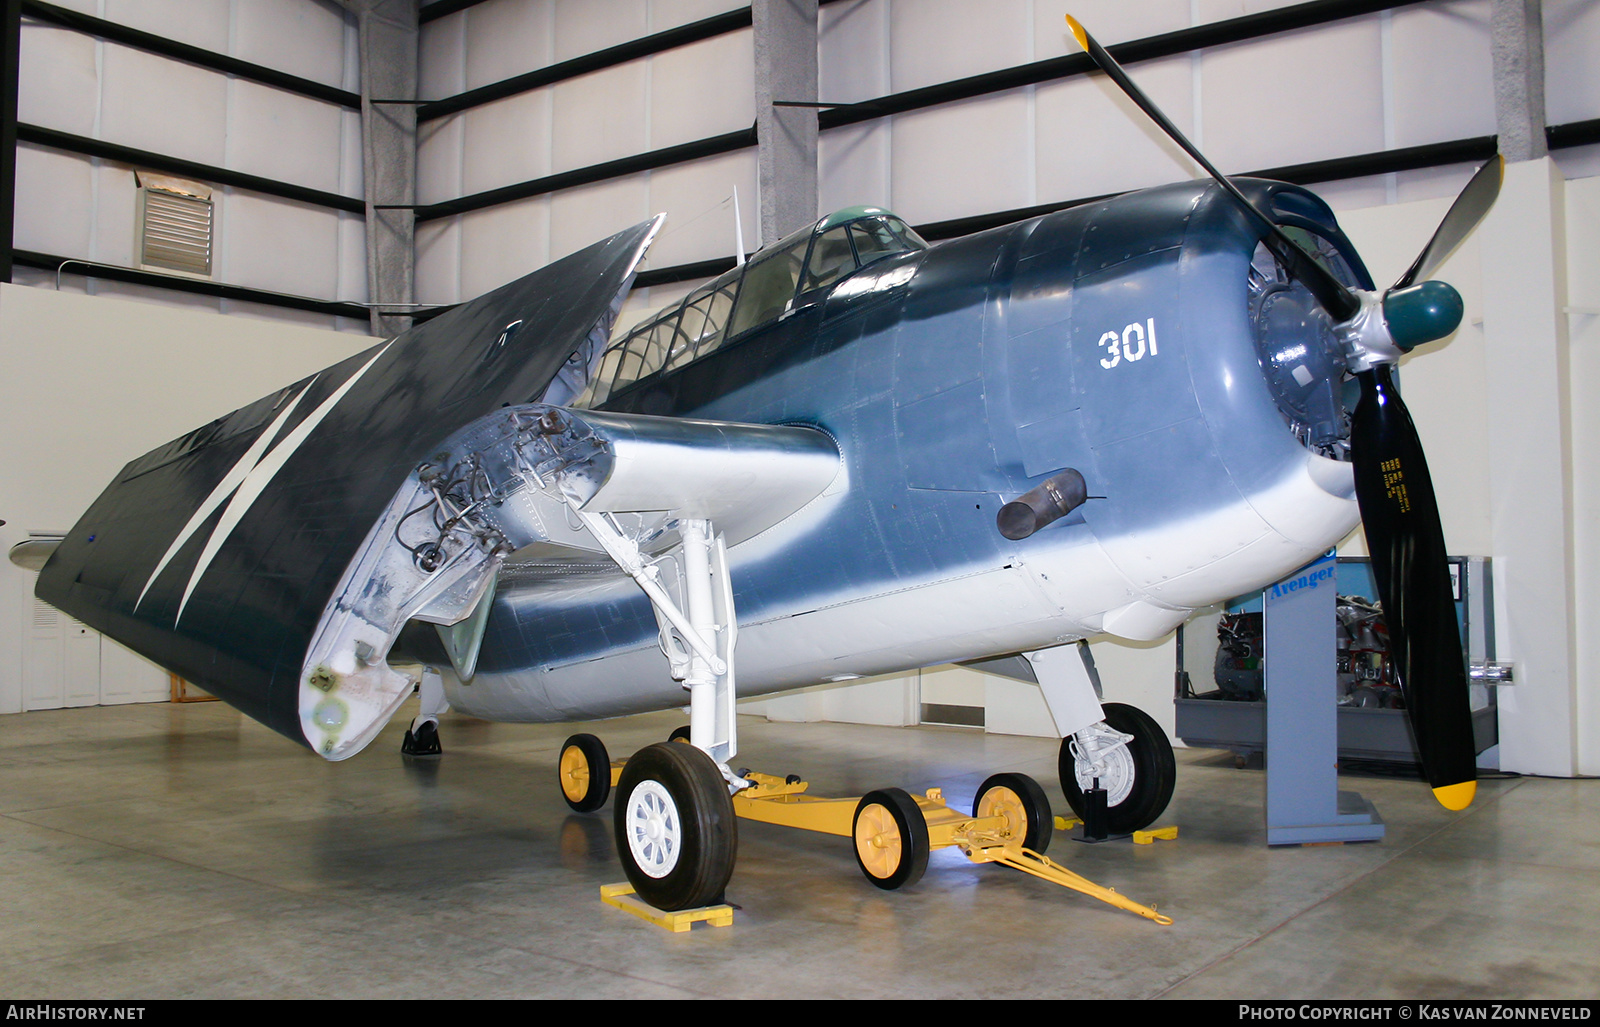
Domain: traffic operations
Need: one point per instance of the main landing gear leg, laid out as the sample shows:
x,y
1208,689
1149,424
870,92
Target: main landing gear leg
x,y
422,737
676,831
1116,745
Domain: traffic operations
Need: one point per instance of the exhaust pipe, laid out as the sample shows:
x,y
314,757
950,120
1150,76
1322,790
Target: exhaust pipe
x,y
1042,505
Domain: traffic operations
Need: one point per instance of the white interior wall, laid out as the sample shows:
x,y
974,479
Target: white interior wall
x,y
1532,452
1583,327
1404,78
685,94
1407,77
93,382
76,206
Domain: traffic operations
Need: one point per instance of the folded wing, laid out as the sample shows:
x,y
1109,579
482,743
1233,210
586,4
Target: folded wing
x,y
217,555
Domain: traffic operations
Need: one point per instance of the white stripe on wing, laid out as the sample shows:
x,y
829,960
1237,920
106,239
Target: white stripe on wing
x,y
261,475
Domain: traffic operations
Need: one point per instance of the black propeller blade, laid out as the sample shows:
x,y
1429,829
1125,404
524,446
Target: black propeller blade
x,y
1401,519
1329,291
1393,489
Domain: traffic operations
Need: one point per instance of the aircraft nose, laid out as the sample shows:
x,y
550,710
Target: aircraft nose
x,y
1301,357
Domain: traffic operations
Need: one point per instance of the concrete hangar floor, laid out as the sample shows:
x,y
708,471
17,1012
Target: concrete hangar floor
x,y
166,851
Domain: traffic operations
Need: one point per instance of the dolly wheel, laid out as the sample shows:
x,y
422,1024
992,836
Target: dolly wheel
x,y
1139,777
676,831
891,838
584,773
1019,799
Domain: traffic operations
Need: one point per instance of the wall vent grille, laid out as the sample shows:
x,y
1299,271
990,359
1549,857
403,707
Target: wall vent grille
x,y
45,616
174,224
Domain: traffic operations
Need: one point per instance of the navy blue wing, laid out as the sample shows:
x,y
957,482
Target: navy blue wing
x,y
216,554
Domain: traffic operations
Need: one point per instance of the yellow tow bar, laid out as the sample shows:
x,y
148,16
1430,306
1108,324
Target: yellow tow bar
x,y
1030,862
987,839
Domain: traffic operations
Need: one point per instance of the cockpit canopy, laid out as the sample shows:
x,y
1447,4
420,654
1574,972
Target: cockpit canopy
x,y
793,272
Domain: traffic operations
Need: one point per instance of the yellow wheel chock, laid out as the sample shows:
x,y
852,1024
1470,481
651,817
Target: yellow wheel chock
x,y
621,896
1159,834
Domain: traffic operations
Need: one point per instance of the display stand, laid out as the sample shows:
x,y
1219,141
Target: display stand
x,y
1304,804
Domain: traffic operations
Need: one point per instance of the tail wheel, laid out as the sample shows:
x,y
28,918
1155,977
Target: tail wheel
x,y
891,838
584,773
1138,777
1019,799
676,831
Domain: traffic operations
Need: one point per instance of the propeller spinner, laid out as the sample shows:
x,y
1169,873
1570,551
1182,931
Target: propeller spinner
x,y
1398,510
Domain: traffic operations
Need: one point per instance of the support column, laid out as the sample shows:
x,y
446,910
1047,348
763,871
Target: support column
x,y
10,47
1517,45
1523,246
786,69
1523,242
389,155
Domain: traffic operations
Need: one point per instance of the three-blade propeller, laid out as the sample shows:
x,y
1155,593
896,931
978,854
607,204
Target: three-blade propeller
x,y
1398,510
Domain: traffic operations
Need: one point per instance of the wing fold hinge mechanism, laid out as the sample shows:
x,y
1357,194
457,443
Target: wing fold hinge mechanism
x,y
662,498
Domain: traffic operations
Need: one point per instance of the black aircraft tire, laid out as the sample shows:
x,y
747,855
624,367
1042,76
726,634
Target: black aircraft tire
x,y
679,734
1019,799
676,832
1155,771
891,838
584,773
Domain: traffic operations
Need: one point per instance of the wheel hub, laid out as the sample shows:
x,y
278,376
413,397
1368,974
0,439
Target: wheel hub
x,y
574,774
1108,758
1006,804
878,841
655,833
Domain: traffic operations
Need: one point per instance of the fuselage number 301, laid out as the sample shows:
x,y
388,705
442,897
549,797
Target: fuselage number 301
x,y
1134,342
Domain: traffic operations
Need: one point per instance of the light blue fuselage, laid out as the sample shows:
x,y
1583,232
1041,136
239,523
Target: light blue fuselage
x,y
1114,338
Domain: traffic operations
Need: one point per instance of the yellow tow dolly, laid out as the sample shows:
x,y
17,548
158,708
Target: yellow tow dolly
x,y
894,831
890,843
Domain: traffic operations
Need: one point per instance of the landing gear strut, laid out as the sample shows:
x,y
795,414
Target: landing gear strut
x,y
676,831
422,737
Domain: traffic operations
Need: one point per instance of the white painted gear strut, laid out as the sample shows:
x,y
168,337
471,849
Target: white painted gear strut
x,y
1070,685
430,692
698,626
624,551
1071,690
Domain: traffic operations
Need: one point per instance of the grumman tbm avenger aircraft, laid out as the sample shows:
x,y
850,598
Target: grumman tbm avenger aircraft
x,y
853,454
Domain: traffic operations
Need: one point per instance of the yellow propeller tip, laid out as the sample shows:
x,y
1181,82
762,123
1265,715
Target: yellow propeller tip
x,y
1077,32
1456,797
